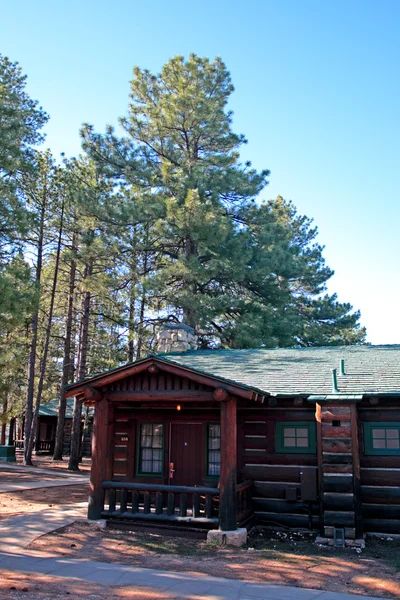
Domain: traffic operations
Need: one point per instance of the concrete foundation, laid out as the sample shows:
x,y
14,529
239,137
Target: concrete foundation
x,y
238,537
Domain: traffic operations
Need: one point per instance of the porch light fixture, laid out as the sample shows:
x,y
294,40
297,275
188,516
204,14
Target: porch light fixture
x,y
178,407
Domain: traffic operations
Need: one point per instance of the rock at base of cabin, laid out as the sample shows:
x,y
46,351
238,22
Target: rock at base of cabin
x,y
238,537
97,523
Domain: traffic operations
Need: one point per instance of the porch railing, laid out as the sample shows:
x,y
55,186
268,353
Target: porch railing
x,y
45,446
166,503
244,502
40,446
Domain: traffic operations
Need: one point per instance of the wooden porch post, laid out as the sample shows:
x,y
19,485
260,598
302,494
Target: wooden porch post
x,y
99,453
356,472
227,480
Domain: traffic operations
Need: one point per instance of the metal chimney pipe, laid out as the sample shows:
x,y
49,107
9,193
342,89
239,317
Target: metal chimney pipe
x,y
342,371
335,389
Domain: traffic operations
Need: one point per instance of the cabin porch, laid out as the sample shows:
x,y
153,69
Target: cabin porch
x,y
171,507
164,448
180,448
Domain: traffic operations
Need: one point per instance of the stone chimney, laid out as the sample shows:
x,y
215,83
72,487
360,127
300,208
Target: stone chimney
x,y
176,337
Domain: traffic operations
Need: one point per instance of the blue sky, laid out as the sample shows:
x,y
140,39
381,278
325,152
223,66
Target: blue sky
x,y
317,94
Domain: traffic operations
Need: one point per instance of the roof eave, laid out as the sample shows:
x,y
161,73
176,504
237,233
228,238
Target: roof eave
x,y
98,381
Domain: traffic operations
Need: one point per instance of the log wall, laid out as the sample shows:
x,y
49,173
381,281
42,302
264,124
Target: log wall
x,y
277,496
339,469
356,492
380,475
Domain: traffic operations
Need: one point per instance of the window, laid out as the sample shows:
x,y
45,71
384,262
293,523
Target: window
x,y
382,438
294,437
151,442
213,449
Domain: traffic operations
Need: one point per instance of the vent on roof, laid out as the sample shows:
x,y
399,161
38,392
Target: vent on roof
x,y
342,371
335,389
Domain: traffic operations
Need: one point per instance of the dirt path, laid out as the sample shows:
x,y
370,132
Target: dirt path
x,y
17,586
47,462
288,560
29,501
10,475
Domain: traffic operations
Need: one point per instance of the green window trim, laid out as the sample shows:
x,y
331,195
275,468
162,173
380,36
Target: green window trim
x,y
208,449
140,449
385,437
285,426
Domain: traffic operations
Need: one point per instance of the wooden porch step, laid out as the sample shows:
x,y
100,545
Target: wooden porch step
x,y
174,530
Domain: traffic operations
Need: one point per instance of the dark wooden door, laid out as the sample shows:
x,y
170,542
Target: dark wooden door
x,y
187,453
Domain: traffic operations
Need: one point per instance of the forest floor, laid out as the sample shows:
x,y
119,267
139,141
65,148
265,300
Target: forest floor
x,y
13,503
44,461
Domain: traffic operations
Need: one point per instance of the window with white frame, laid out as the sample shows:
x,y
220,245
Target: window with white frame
x,y
151,442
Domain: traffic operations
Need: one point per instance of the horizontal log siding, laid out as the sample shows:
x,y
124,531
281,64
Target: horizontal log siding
x,y
380,475
121,446
275,475
337,483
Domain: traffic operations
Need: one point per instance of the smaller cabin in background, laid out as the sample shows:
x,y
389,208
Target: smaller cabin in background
x,y
302,438
47,426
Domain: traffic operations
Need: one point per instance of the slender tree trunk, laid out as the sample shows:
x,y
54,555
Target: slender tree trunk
x,y
132,297
73,464
68,364
32,353
189,316
4,423
85,427
131,322
43,365
11,432
141,314
20,428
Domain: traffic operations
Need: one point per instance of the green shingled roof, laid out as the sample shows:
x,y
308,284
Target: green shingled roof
x,y
302,371
50,408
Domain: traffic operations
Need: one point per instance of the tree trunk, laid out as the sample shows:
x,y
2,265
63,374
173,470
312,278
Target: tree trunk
x,y
131,322
142,313
11,432
4,423
32,353
68,363
140,328
34,426
85,428
189,315
132,297
73,464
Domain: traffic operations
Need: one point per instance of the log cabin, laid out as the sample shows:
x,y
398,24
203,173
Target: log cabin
x,y
47,427
303,438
